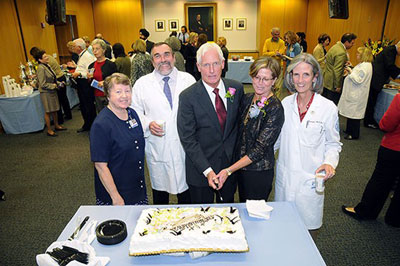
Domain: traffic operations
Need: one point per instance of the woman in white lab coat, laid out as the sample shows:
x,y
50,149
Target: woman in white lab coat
x,y
309,140
353,101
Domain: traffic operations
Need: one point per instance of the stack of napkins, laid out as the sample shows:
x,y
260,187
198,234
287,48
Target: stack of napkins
x,y
258,209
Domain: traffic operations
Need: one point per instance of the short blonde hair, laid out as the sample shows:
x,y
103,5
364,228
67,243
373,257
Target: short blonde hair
x,y
139,46
365,54
222,40
86,38
192,37
70,45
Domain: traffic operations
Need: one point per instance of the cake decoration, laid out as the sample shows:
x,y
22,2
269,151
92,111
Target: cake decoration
x,y
190,229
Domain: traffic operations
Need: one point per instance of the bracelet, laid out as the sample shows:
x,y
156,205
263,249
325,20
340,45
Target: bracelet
x,y
228,171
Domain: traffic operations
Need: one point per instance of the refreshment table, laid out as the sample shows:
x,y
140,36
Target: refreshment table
x,y
239,70
385,98
22,114
281,240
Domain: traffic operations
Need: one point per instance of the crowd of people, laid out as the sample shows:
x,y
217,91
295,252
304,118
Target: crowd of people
x,y
203,137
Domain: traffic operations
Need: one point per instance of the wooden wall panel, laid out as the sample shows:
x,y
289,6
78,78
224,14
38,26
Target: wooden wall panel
x,y
83,10
392,23
32,13
118,20
285,14
365,20
11,51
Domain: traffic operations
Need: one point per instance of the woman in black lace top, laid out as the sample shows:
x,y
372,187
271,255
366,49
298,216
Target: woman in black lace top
x,y
262,118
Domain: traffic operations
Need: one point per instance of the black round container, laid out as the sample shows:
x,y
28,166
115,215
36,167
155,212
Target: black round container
x,y
111,232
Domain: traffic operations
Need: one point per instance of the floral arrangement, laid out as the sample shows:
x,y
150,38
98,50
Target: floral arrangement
x,y
258,107
377,46
230,94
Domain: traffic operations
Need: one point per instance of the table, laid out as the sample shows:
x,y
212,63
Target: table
x,y
22,114
239,70
281,240
385,98
72,96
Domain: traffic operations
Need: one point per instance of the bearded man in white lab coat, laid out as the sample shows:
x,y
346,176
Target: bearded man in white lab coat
x,y
155,97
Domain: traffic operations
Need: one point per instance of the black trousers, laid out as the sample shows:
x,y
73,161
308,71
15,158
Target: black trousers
x,y
86,99
331,95
255,185
200,195
369,112
162,197
353,127
387,170
64,104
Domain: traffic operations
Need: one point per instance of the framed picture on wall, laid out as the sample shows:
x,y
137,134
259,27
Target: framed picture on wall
x,y
227,23
338,9
173,24
241,23
160,24
202,18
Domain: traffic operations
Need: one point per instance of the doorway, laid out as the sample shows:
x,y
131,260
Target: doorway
x,y
64,34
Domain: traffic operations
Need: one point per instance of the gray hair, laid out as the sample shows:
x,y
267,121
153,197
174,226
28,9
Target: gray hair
x,y
309,59
114,79
100,42
275,29
80,43
207,47
174,43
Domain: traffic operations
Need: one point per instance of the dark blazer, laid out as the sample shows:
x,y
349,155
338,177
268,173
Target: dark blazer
x,y
149,46
384,67
200,133
107,69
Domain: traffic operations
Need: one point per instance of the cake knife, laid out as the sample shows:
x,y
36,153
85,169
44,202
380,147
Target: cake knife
x,y
219,193
75,233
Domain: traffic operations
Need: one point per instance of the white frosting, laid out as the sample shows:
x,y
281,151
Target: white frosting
x,y
188,229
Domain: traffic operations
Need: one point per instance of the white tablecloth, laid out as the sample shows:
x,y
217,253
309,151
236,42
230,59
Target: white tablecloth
x,y
239,70
22,114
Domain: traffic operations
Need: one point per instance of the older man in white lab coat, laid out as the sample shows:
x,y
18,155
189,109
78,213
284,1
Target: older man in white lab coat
x,y
155,98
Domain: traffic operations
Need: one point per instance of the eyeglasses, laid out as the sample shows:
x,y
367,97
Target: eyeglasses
x,y
263,80
208,65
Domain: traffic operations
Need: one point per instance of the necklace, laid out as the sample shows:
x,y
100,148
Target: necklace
x,y
302,115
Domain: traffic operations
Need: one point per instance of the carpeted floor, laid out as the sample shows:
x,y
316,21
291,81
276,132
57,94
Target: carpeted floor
x,y
46,180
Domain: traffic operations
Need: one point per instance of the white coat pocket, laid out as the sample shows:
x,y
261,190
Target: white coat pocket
x,y
309,203
312,134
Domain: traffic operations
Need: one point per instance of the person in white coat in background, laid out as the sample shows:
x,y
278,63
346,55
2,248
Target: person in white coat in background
x,y
309,142
353,102
155,98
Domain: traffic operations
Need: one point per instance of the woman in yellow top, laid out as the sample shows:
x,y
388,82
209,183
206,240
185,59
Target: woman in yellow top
x,y
319,51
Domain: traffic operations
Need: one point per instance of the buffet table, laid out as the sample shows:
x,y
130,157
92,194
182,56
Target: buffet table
x,y
281,240
22,114
385,98
72,97
239,70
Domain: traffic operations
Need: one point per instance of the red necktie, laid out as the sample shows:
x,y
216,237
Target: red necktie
x,y
220,108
